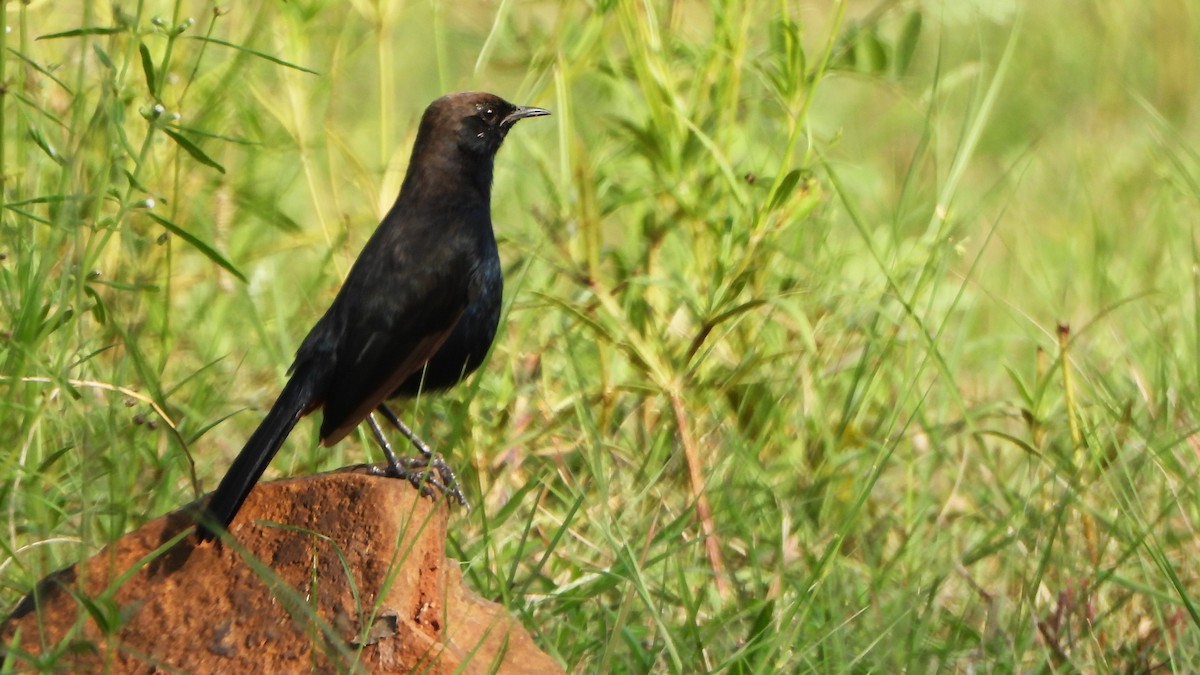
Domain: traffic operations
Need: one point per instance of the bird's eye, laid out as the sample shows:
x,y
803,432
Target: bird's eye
x,y
488,115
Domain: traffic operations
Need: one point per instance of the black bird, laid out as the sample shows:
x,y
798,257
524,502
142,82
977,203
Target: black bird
x,y
417,312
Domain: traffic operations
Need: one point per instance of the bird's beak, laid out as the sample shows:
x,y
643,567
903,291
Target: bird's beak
x,y
521,113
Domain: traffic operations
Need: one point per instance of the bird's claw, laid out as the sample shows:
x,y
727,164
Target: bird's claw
x,y
432,476
426,472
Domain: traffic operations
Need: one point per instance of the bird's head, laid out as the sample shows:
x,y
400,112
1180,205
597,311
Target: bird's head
x,y
478,121
457,143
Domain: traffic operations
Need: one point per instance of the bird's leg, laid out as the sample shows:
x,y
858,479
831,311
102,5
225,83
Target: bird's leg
x,y
444,479
407,469
395,468
419,444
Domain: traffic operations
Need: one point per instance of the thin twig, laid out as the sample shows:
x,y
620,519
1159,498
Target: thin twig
x,y
104,386
696,476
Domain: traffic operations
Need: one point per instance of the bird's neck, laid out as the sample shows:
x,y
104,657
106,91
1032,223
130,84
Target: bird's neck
x,y
446,173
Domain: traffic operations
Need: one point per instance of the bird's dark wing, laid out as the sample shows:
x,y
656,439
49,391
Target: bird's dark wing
x,y
391,316
381,366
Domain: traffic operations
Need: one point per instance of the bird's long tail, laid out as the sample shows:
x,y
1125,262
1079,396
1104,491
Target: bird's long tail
x,y
294,401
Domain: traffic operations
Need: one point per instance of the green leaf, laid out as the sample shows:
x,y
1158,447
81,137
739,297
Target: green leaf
x,y
193,150
997,541
906,44
870,56
124,286
787,47
148,68
38,67
752,657
49,116
99,313
103,56
46,199
54,457
41,142
103,611
208,251
1027,396
96,30
253,52
786,186
117,112
61,318
28,214
209,134
134,181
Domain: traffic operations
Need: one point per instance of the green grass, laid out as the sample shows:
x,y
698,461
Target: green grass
x,y
781,385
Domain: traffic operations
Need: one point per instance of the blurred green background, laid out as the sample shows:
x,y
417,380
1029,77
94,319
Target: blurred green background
x,y
850,337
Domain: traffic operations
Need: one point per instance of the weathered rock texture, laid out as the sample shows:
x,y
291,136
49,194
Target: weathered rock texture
x,y
341,572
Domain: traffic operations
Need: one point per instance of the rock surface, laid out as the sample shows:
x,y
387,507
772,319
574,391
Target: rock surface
x,y
341,572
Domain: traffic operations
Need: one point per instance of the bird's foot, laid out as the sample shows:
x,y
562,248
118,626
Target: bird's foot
x,y
431,475
427,473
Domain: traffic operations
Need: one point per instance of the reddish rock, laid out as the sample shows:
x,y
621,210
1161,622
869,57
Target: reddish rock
x,y
330,573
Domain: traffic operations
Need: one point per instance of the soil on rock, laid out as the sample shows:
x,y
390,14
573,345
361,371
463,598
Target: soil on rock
x,y
331,573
